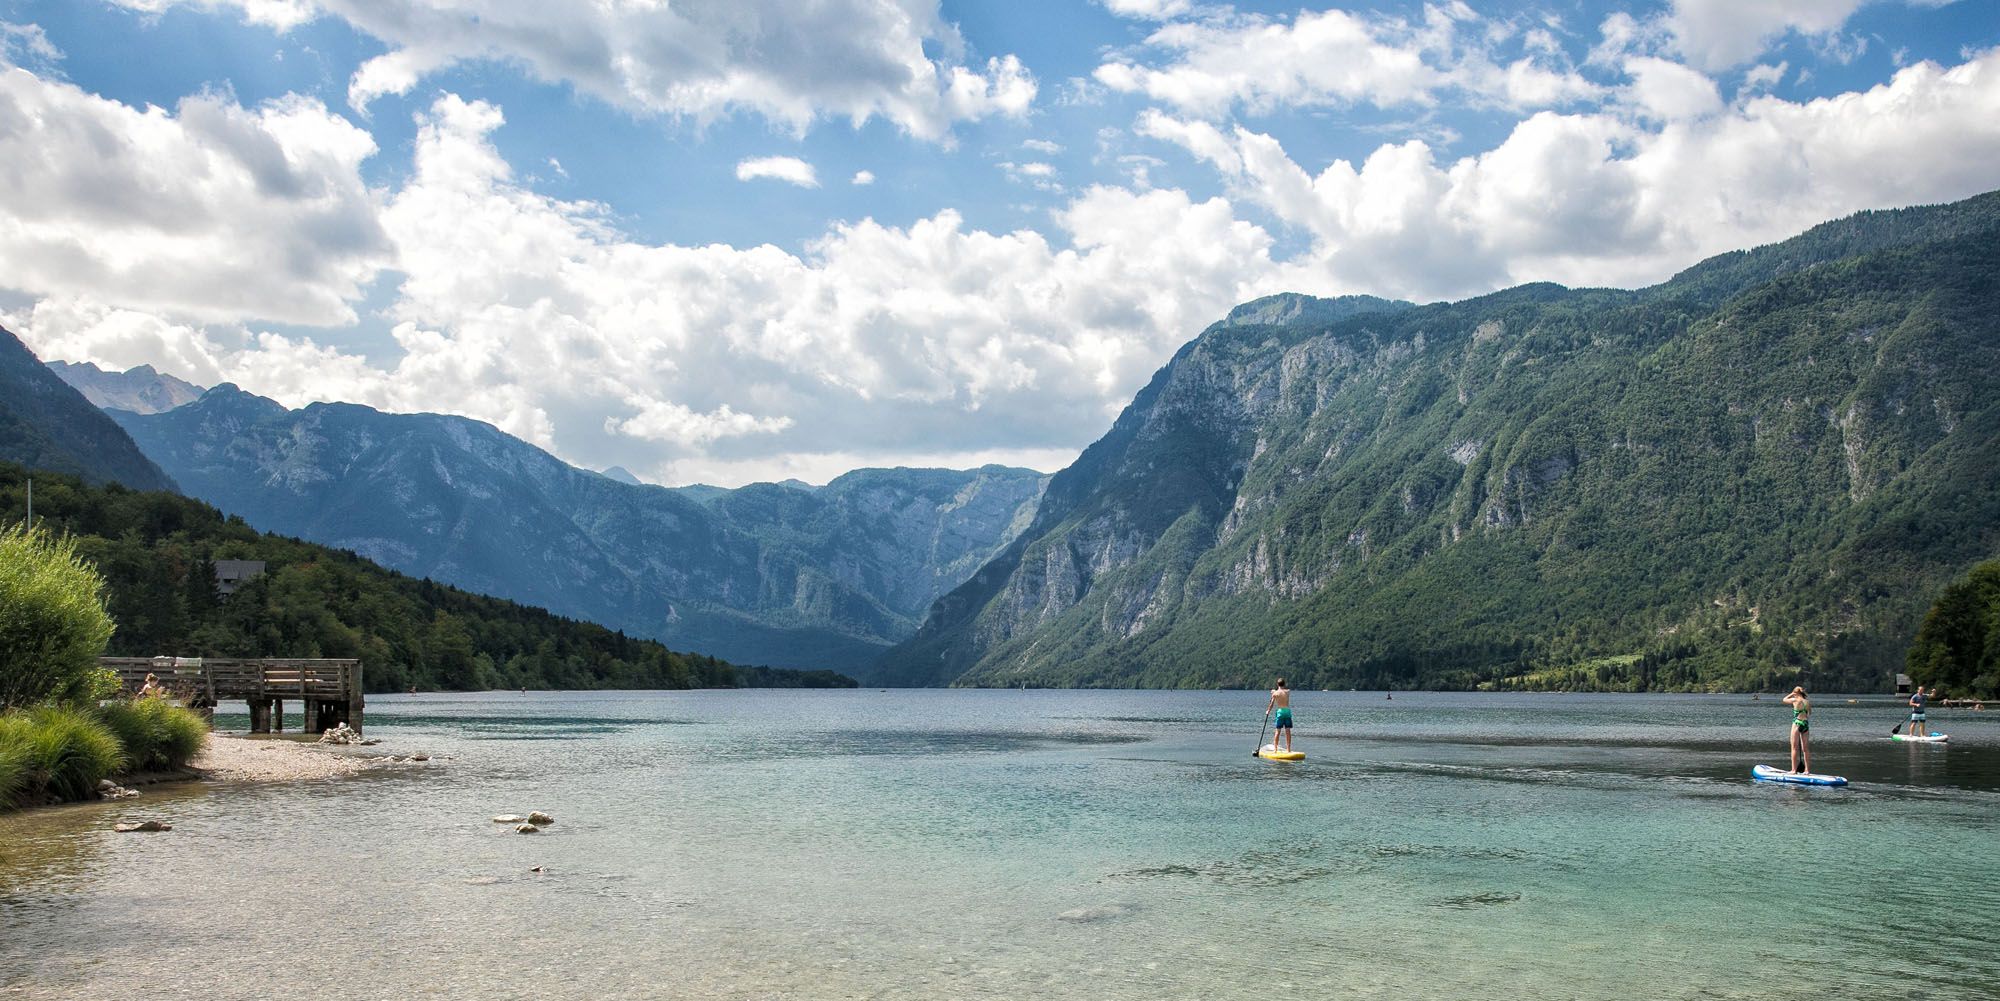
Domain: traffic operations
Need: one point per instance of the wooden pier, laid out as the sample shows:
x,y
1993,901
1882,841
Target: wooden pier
x,y
329,690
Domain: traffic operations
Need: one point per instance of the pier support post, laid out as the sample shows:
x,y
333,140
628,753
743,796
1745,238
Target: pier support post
x,y
277,715
260,716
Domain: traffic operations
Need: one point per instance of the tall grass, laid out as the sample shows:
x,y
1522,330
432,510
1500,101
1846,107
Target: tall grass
x,y
158,735
62,753
13,775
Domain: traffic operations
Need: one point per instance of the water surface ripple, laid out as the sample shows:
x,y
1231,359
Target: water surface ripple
x,y
997,844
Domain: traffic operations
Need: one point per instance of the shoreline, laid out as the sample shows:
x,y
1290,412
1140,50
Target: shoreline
x,y
231,758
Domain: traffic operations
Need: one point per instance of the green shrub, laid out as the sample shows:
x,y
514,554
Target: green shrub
x,y
158,735
53,624
63,753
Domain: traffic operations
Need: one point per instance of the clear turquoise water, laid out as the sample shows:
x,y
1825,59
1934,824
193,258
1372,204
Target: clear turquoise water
x,y
994,844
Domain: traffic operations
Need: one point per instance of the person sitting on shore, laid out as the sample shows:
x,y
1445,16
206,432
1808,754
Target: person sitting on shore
x,y
1918,725
152,689
1281,700
1801,723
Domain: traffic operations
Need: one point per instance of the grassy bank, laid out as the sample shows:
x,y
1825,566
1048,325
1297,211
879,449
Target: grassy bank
x,y
57,754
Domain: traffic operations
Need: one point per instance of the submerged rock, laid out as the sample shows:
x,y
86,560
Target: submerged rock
x,y
527,829
510,818
1083,915
143,825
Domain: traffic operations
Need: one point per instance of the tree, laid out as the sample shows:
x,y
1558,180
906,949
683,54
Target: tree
x,y
53,623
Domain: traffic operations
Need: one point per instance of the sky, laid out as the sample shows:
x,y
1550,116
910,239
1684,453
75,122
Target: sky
x,y
726,241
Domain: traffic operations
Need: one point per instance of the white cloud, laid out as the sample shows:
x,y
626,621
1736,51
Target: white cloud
x,y
789,169
1764,77
1335,58
1600,199
879,344
1320,58
863,177
282,15
1150,10
210,212
28,45
661,420
1042,146
1669,91
1720,34
790,62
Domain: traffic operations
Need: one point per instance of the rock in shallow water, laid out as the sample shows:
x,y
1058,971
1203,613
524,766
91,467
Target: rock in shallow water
x,y
527,829
143,825
510,818
538,817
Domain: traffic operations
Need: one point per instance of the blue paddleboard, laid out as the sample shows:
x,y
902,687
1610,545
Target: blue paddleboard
x,y
1765,773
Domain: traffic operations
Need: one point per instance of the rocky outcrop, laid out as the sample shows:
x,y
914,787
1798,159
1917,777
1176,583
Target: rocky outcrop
x,y
1368,495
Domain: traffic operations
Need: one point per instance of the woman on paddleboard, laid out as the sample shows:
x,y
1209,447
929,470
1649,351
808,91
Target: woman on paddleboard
x,y
1801,723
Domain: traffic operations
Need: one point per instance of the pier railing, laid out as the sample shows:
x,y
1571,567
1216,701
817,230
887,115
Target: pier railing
x,y
330,689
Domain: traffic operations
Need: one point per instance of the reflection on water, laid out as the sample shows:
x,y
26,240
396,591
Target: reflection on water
x,y
1101,845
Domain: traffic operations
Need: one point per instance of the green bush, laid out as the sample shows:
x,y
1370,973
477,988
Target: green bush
x,y
63,753
53,625
158,735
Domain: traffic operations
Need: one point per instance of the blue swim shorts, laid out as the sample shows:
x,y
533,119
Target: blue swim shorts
x,y
1284,721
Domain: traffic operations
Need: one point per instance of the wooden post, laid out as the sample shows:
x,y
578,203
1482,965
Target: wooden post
x,y
277,715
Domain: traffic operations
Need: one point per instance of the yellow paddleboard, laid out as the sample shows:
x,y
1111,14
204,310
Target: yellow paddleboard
x,y
1270,752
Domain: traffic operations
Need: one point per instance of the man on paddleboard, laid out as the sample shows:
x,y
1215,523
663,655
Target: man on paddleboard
x,y
1281,702
1919,727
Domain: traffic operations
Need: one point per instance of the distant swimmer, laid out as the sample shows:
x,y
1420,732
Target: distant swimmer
x,y
1801,723
1281,701
1919,725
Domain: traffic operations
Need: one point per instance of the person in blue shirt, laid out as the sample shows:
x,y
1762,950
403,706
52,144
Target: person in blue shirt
x,y
1919,727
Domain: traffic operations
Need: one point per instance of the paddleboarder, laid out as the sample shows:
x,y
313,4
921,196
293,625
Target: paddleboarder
x,y
1919,726
1801,723
1281,703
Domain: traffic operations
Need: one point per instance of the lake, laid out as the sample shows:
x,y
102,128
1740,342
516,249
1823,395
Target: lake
x,y
1010,844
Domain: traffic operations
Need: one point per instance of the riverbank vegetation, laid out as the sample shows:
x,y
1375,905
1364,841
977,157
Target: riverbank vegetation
x,y
157,554
1958,647
63,726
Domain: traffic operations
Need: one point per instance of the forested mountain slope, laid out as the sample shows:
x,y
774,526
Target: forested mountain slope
x,y
46,424
157,552
815,578
1765,468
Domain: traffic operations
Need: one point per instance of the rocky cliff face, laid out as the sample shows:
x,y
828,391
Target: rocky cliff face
x,y
141,390
1760,468
766,574
45,424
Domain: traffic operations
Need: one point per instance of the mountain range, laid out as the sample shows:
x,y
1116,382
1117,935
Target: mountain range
x,y
141,389
777,574
46,424
1765,468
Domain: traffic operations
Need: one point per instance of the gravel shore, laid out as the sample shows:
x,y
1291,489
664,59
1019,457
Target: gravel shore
x,y
243,759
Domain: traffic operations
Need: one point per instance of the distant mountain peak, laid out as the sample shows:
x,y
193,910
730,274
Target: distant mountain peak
x,y
622,475
46,423
141,389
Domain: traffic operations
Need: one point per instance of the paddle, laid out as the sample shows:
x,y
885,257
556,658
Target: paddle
x,y
1259,752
